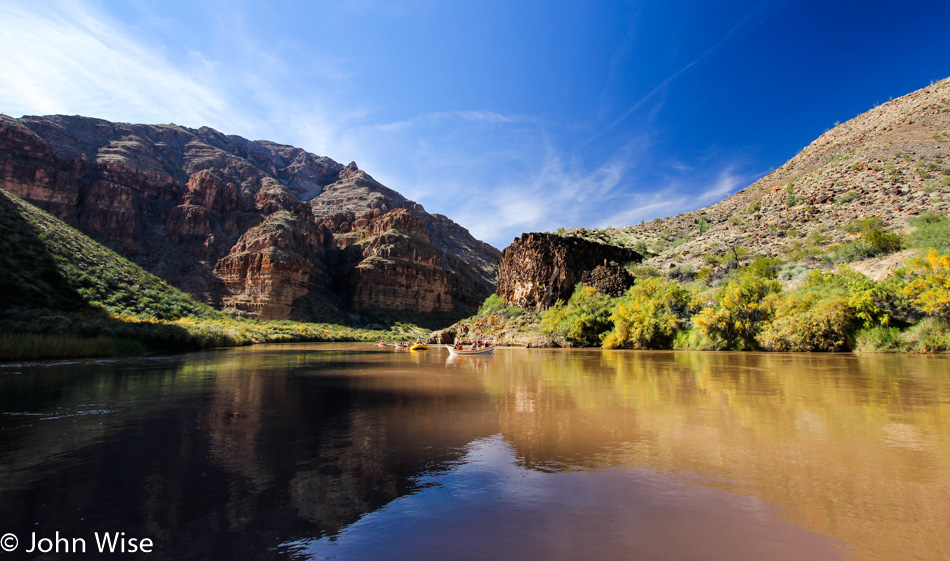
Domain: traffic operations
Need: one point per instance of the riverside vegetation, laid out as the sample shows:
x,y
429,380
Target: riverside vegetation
x,y
844,247
62,295
812,302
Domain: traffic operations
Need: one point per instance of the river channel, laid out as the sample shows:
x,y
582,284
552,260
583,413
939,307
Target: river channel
x,y
355,452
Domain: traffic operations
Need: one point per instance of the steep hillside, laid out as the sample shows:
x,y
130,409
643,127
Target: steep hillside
x,y
252,227
63,295
891,162
45,264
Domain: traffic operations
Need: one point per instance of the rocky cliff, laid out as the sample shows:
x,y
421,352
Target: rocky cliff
x,y
254,227
537,270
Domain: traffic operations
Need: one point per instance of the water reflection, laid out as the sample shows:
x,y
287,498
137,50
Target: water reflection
x,y
853,447
357,452
226,455
488,507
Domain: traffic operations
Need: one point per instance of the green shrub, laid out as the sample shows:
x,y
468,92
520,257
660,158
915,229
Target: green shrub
x,y
874,240
931,335
493,304
878,340
809,320
739,312
692,340
932,231
765,267
582,321
648,315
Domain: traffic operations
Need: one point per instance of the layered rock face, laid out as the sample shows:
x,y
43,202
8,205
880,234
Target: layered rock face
x,y
257,228
391,254
537,270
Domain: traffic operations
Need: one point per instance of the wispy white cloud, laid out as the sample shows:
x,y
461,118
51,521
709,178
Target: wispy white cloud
x,y
749,20
689,191
65,57
497,174
726,183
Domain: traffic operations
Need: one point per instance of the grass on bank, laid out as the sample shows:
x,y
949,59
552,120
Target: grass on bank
x,y
36,335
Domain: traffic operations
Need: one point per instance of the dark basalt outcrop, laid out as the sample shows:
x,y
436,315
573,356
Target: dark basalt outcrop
x,y
254,227
612,280
537,270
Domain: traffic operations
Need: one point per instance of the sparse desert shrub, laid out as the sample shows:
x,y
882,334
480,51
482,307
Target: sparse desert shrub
x,y
932,231
791,271
845,197
703,224
793,200
638,270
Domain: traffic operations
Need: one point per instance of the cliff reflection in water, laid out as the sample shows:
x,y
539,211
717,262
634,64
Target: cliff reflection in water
x,y
322,449
225,455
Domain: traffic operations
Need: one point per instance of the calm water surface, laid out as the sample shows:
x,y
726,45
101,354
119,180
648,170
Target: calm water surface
x,y
354,452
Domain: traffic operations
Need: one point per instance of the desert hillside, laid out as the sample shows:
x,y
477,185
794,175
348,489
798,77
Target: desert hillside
x,y
892,162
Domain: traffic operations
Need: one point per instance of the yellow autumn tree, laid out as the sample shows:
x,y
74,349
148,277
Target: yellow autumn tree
x,y
740,311
648,315
928,284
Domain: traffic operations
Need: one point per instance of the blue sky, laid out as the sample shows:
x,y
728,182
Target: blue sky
x,y
508,116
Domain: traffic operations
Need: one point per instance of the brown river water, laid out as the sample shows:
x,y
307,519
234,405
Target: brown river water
x,y
350,451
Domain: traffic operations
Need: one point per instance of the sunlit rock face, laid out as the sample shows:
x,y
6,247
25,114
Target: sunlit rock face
x,y
537,270
253,227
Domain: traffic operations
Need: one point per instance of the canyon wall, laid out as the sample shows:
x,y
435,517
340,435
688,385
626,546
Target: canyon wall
x,y
253,227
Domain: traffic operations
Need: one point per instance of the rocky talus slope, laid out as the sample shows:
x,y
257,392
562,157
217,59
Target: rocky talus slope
x,y
252,227
892,162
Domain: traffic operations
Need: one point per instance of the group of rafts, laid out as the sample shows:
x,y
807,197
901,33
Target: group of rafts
x,y
476,348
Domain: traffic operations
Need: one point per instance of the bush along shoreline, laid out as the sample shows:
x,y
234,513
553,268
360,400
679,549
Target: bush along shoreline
x,y
765,305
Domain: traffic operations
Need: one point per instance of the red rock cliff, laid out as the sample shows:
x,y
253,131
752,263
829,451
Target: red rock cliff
x,y
254,227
